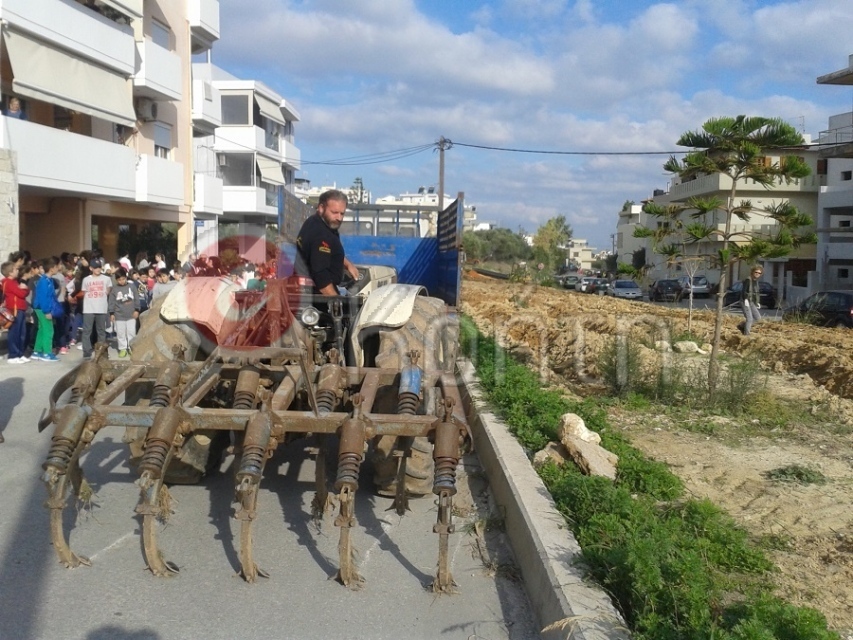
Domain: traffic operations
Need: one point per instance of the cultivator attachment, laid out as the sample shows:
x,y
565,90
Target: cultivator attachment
x,y
253,399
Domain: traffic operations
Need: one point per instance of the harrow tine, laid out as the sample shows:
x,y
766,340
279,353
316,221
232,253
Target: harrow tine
x,y
257,448
350,456
401,495
160,446
63,464
321,492
446,456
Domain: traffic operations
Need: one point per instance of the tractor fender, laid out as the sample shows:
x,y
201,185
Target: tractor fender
x,y
389,306
209,302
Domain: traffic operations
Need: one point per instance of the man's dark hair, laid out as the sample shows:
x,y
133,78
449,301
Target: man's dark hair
x,y
333,194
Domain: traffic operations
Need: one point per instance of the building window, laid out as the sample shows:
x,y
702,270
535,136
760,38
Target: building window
x,y
844,223
272,134
236,169
847,175
162,140
161,34
843,274
235,110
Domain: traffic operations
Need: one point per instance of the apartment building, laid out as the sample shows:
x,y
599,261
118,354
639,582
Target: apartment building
x,y
802,193
121,130
630,217
835,201
244,159
105,142
428,196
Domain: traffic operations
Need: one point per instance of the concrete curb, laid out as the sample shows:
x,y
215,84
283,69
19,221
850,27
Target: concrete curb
x,y
546,550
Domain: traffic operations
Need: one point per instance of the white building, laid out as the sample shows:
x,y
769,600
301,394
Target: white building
x,y
356,193
801,193
105,87
121,130
630,217
428,196
834,269
244,155
581,254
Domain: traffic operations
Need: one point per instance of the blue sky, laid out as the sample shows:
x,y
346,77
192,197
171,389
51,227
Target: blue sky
x,y
583,76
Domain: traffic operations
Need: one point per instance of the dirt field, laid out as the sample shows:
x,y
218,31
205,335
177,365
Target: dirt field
x,y
563,332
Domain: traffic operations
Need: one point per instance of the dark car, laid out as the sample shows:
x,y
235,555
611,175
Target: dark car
x,y
825,308
667,289
767,295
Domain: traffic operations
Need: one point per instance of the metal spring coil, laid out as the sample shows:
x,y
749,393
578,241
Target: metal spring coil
x,y
60,454
445,474
243,399
407,404
252,461
326,401
348,465
155,457
160,396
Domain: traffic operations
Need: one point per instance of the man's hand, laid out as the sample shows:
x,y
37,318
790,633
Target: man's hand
x,y
351,268
746,304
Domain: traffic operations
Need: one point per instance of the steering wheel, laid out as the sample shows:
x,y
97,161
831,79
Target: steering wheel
x,y
349,283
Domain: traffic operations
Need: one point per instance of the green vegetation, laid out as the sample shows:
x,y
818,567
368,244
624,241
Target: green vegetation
x,y
796,474
675,567
498,245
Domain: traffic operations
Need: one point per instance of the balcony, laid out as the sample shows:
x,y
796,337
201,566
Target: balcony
x,y
203,16
207,194
291,155
69,162
75,28
249,200
206,107
159,75
159,181
241,139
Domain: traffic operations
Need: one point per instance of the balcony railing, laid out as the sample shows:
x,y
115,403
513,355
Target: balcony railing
x,y
159,181
61,160
206,107
203,16
248,200
159,75
207,194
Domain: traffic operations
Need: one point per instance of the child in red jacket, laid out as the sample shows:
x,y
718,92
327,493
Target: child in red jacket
x,y
15,299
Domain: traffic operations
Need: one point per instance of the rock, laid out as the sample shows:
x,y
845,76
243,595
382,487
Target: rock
x,y
685,346
707,346
662,345
591,459
572,424
553,451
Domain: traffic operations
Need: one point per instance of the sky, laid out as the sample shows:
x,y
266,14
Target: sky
x,y
381,81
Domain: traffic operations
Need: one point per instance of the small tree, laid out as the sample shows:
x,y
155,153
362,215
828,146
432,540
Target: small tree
x,y
736,147
549,239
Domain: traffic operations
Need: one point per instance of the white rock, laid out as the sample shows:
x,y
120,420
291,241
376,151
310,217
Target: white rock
x,y
572,424
685,346
662,345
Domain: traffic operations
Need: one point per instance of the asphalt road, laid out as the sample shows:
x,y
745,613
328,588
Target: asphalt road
x,y
117,598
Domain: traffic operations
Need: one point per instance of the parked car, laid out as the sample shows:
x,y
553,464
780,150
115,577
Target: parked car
x,y
585,284
824,308
627,289
667,289
767,295
569,282
600,286
700,286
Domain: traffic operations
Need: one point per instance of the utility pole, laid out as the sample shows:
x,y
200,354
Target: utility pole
x,y
443,143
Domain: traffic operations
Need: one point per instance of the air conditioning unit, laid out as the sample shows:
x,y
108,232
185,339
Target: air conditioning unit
x,y
146,110
223,160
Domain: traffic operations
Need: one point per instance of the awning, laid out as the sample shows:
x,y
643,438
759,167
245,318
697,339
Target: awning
x,y
132,8
44,73
270,170
269,109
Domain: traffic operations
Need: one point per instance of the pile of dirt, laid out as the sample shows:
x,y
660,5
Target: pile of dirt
x,y
563,333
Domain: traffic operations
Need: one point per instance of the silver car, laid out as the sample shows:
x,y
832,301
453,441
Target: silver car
x,y
627,289
700,285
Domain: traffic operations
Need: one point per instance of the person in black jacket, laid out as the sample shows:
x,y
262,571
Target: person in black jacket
x,y
750,300
321,254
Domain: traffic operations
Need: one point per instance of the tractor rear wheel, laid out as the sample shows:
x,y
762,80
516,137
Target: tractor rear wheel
x,y
433,334
161,341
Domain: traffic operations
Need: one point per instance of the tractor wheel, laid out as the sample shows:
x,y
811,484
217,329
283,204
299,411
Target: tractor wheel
x,y
154,343
432,333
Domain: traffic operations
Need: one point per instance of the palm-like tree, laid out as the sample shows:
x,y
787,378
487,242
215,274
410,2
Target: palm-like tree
x,y
736,147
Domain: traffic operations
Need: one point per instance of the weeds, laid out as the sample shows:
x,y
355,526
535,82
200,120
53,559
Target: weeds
x,y
676,568
795,473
